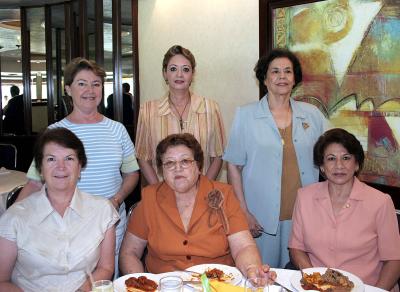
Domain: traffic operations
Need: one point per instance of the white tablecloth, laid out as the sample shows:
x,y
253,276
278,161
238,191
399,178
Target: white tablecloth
x,y
284,277
9,179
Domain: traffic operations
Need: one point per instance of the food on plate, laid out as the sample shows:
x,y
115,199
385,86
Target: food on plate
x,y
331,280
217,274
140,284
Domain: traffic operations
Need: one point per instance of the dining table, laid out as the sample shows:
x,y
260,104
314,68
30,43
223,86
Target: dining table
x,y
284,277
284,282
9,179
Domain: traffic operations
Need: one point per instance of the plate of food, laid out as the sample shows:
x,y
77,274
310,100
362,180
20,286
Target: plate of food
x,y
326,279
218,272
138,282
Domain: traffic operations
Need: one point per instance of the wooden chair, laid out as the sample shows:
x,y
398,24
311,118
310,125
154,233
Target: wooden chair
x,y
13,195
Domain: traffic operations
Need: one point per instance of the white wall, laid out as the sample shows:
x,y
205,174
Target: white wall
x,y
222,35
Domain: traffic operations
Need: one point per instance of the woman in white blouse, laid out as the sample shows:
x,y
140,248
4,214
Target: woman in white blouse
x,y
52,239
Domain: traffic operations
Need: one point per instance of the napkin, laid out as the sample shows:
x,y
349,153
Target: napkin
x,y
225,287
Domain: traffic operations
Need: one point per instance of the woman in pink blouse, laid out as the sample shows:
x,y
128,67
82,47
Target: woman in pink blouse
x,y
352,226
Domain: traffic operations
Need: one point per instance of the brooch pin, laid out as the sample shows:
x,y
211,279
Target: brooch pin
x,y
215,199
305,125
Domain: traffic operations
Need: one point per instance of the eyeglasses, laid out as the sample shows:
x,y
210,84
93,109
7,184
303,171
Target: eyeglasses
x,y
184,163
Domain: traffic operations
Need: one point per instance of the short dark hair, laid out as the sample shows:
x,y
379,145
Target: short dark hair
x,y
78,64
126,87
342,137
178,50
184,139
14,90
62,137
263,63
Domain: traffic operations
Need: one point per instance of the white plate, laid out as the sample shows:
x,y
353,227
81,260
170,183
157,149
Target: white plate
x,y
270,288
295,279
236,274
119,284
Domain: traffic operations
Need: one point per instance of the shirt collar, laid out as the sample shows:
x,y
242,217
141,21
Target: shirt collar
x,y
167,202
197,105
44,208
77,203
356,191
263,110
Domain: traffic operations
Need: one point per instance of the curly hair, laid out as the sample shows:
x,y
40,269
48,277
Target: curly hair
x,y
263,63
184,139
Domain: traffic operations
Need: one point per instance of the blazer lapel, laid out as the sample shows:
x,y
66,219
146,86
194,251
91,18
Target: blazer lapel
x,y
200,205
167,203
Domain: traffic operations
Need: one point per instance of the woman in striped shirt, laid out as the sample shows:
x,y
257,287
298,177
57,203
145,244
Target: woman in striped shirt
x,y
112,169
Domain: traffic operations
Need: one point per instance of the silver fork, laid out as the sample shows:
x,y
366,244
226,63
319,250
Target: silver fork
x,y
283,286
301,271
191,272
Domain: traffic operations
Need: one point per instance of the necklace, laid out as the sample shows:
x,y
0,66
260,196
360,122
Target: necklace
x,y
283,135
180,114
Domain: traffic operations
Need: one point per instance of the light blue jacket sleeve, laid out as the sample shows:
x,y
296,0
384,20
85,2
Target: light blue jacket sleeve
x,y
235,152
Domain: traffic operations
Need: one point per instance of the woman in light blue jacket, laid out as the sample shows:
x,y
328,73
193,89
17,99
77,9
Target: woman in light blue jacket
x,y
269,153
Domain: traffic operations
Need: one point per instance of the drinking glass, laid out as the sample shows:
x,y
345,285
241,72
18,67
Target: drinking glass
x,y
102,286
171,284
256,284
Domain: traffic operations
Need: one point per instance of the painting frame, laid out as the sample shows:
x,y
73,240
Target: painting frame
x,y
266,33
266,44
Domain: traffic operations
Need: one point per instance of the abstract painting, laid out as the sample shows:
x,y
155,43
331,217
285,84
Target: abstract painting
x,y
350,55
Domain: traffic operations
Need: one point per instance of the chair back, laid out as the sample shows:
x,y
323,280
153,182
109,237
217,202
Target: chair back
x,y
13,195
8,156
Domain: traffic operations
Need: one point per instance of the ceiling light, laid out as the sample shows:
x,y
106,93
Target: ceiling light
x,y
34,61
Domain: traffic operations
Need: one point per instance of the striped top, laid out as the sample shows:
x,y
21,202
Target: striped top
x,y
109,150
157,121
